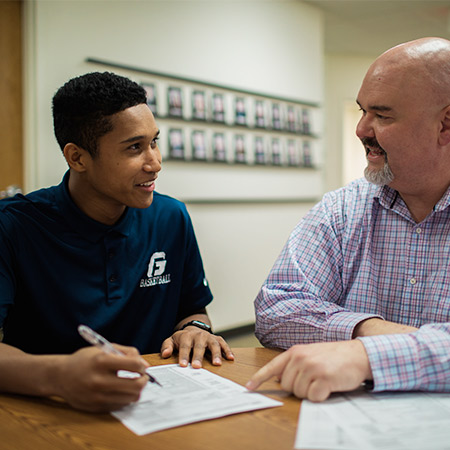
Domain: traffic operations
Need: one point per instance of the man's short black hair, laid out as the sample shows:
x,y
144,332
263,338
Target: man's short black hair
x,y
82,107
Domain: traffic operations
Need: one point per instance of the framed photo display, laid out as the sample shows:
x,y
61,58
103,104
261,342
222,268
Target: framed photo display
x,y
174,102
260,117
292,153
218,108
240,113
219,148
239,149
176,144
307,154
276,117
276,152
150,89
199,105
260,154
198,143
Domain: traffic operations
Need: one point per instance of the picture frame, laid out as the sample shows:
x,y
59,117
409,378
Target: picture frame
x,y
293,157
260,117
198,143
219,148
240,156
276,152
291,119
218,108
199,105
176,144
306,121
240,113
307,154
277,120
260,154
150,90
174,102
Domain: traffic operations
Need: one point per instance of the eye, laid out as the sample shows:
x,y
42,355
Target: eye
x,y
154,142
136,146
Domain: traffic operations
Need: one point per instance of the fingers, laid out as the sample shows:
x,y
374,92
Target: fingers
x,y
192,343
271,369
167,348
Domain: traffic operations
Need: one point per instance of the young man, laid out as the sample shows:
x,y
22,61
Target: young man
x,y
101,249
363,283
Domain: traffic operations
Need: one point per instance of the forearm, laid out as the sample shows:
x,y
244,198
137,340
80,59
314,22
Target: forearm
x,y
376,326
22,373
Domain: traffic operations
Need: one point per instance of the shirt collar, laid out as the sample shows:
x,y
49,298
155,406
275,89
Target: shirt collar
x,y
388,196
89,228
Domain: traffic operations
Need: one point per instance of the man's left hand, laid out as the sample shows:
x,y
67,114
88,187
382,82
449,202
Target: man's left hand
x,y
197,341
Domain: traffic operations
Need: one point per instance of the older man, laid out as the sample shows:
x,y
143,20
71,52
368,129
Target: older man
x,y
361,291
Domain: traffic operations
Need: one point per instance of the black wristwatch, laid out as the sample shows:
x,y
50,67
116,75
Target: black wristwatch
x,y
198,324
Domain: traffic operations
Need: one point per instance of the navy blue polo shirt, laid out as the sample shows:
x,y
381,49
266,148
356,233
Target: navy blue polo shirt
x,y
131,282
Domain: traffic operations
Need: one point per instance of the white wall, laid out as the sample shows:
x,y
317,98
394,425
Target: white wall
x,y
274,47
344,75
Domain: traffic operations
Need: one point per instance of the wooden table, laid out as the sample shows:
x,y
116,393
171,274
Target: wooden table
x,y
43,424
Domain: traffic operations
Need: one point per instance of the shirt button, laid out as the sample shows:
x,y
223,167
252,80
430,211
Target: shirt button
x,y
413,281
418,230
112,278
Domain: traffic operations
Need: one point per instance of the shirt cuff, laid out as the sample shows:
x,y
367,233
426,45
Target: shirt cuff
x,y
340,325
393,361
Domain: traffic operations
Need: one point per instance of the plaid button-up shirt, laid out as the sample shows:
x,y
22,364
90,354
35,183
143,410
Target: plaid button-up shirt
x,y
359,254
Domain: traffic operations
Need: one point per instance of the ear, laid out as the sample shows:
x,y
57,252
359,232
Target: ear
x,y
444,132
76,157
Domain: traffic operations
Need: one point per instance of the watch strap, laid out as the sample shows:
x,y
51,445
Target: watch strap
x,y
198,324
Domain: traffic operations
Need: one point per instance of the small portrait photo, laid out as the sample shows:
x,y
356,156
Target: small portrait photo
x,y
293,158
291,119
174,101
218,108
199,105
307,154
306,122
239,149
276,117
260,117
198,143
219,147
260,154
276,152
176,144
150,90
240,114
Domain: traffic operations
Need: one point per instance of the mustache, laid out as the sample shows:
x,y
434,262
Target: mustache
x,y
372,142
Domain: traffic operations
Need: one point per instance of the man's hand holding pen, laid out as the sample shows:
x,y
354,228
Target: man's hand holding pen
x,y
87,379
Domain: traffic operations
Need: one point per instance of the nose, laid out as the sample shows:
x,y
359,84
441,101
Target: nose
x,y
364,127
152,162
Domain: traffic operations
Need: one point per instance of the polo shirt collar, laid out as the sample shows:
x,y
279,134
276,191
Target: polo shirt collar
x,y
89,228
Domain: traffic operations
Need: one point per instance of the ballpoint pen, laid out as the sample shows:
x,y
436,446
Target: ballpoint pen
x,y
103,344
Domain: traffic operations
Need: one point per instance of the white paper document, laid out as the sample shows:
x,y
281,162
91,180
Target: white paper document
x,y
384,421
187,395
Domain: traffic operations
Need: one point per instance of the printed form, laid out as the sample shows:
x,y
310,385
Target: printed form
x,y
384,421
187,395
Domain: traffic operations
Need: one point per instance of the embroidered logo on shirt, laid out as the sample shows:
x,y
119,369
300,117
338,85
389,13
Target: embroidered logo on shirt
x,y
155,271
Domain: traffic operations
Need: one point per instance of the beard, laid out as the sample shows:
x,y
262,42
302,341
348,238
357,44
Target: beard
x,y
382,176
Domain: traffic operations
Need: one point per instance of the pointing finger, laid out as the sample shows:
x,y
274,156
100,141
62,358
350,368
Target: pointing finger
x,y
271,369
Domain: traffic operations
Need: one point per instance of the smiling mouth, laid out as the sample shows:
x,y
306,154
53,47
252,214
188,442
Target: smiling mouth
x,y
147,183
375,151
